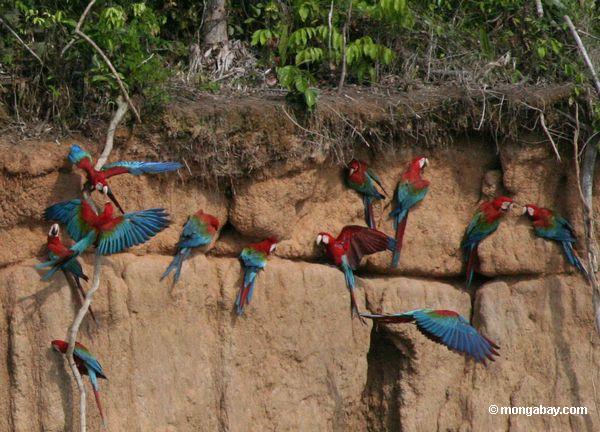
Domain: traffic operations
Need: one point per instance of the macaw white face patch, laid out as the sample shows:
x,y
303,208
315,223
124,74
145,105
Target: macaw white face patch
x,y
530,211
505,205
423,162
273,247
105,190
326,239
98,187
319,239
352,171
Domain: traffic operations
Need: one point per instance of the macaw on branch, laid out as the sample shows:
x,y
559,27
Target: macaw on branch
x,y
362,179
110,234
411,189
65,259
445,327
349,247
253,259
199,230
484,223
552,226
97,179
86,365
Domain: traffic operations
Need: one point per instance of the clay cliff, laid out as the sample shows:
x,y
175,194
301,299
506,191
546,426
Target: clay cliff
x,y
178,358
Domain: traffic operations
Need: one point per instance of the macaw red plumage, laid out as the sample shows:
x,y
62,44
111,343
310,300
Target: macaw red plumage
x,y
552,226
347,250
445,327
253,259
65,259
411,189
111,234
484,223
86,364
199,230
362,179
97,179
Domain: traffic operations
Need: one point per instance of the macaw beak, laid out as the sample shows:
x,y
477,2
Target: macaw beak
x,y
319,239
352,171
524,210
54,230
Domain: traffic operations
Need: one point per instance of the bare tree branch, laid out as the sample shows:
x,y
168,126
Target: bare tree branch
x,y
72,338
547,132
584,53
21,41
122,108
539,8
344,46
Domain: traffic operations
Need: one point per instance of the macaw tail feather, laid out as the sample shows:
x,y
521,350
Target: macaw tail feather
x,y
573,258
51,272
246,290
176,264
44,265
354,307
369,217
99,405
400,227
471,260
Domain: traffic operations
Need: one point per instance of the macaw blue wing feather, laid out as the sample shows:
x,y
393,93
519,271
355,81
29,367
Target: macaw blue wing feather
x,y
69,213
139,168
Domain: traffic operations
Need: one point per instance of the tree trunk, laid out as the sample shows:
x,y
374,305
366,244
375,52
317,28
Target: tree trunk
x,y
215,26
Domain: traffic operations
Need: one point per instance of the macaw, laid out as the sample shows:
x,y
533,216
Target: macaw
x,y
484,223
199,230
349,247
96,180
87,365
65,259
550,225
362,179
445,327
253,259
110,234
411,189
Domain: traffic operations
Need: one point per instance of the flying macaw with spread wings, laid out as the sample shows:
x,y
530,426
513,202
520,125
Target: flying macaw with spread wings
x,y
347,250
552,226
86,364
63,258
445,327
110,234
97,179
362,179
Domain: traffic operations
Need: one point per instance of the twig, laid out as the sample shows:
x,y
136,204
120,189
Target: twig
x,y
547,132
72,338
301,127
110,134
348,123
32,52
344,46
584,53
330,25
78,26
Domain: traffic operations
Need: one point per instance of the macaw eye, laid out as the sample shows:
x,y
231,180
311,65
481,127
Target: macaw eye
x,y
105,190
319,239
530,211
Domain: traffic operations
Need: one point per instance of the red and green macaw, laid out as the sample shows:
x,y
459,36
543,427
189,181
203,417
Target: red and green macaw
x,y
63,258
88,365
199,230
110,234
97,179
362,179
349,247
552,226
445,327
411,189
484,223
253,259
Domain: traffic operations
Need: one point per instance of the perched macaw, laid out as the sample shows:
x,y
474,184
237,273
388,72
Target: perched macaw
x,y
65,259
362,179
550,225
484,223
411,189
199,230
445,327
87,365
349,247
110,234
253,259
96,180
